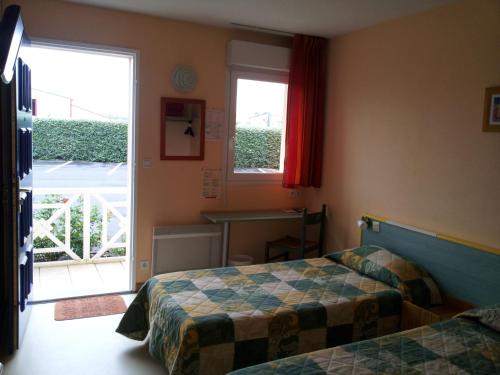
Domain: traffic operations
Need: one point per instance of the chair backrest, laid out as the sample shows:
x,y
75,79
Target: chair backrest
x,y
315,218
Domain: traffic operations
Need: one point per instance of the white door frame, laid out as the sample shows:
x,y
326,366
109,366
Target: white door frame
x,y
133,134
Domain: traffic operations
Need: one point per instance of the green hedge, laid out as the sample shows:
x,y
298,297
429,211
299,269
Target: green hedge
x,y
101,141
257,148
84,140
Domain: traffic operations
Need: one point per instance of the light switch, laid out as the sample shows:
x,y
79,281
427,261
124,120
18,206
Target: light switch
x,y
147,163
376,226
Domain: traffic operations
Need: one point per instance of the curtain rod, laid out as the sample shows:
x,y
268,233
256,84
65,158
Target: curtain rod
x,y
261,29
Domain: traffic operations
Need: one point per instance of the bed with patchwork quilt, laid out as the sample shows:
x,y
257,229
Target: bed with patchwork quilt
x,y
468,344
213,321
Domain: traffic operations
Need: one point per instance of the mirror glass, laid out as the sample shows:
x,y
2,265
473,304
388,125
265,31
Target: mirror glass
x,y
182,129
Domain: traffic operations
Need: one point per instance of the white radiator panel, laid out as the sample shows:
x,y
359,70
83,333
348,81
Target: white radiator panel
x,y
186,247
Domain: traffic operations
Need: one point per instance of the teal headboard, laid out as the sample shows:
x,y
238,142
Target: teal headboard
x,y
461,271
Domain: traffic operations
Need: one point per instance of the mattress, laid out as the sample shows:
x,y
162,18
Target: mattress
x,y
216,320
456,346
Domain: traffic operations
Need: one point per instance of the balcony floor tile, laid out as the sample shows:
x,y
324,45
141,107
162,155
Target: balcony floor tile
x,y
79,280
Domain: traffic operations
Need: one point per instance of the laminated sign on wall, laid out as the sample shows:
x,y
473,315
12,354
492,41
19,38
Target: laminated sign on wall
x,y
211,183
214,124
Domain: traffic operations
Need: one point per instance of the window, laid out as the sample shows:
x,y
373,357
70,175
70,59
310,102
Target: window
x,y
257,121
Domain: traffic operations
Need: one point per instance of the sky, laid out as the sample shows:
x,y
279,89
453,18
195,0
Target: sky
x,y
259,96
96,82
101,84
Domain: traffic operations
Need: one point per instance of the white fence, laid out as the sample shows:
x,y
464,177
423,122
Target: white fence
x,y
110,220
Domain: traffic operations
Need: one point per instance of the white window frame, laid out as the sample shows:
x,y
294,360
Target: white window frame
x,y
256,75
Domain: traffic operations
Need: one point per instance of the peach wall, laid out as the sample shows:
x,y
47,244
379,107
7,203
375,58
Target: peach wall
x,y
404,112
404,117
170,191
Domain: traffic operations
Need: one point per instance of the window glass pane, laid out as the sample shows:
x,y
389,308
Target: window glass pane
x,y
260,120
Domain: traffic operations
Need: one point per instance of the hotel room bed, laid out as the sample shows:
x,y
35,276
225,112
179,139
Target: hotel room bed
x,y
216,320
468,344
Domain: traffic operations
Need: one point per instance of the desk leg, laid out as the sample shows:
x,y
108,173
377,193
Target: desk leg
x,y
225,243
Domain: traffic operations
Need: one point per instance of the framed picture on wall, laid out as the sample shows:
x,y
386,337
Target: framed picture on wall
x,y
491,119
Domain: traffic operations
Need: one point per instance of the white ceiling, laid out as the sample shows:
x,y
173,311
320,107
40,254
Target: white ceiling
x,y
314,17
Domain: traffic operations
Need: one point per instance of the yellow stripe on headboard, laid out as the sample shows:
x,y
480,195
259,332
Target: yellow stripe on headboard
x,y
375,217
474,245
444,237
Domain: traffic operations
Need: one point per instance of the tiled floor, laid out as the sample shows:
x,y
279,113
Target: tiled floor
x,y
79,347
79,280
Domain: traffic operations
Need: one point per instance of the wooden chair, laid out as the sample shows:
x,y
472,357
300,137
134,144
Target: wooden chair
x,y
286,245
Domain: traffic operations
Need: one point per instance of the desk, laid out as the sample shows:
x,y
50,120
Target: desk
x,y
227,217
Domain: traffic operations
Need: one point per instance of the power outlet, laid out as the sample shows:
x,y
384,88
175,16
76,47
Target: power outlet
x,y
144,264
293,193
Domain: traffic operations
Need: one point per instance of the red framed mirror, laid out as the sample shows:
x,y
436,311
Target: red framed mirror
x,y
182,129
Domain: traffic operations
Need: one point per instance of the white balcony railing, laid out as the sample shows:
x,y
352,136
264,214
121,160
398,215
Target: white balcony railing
x,y
78,212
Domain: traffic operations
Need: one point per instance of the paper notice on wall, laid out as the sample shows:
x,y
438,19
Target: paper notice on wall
x,y
214,124
211,183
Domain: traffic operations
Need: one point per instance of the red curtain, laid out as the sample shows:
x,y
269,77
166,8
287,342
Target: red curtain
x,y
305,113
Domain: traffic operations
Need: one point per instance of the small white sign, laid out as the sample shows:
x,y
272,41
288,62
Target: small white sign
x,y
211,183
214,124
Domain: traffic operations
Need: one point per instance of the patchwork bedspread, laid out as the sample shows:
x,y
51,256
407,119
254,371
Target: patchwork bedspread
x,y
216,320
457,346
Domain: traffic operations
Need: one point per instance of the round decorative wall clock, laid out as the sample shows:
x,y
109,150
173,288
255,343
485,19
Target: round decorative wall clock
x,y
184,78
